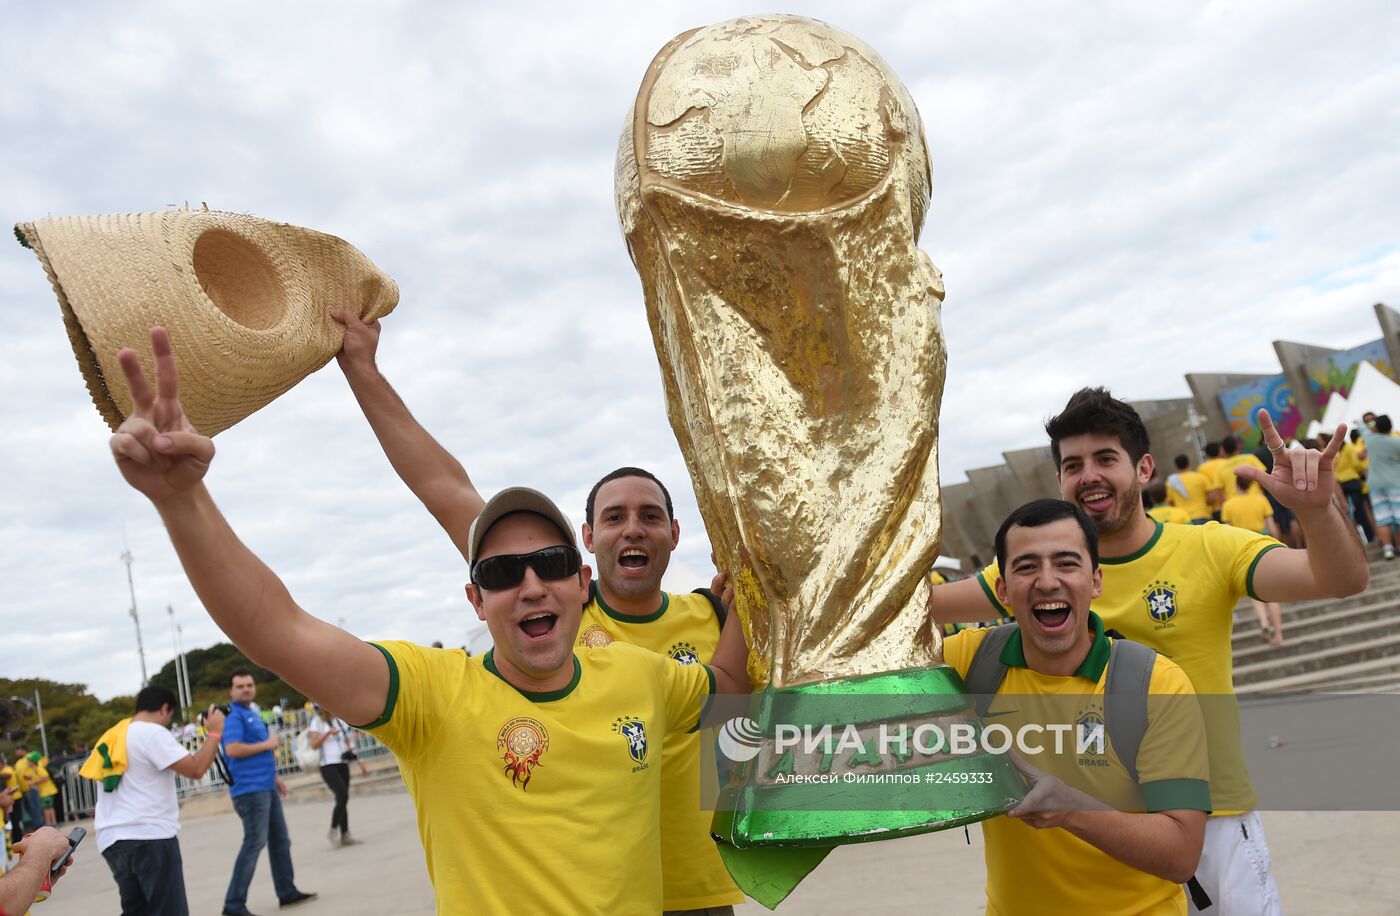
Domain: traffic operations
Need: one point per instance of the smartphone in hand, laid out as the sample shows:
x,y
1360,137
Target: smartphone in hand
x,y
74,839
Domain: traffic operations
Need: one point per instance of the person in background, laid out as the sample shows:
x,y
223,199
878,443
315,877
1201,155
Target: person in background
x,y
137,822
1190,490
331,736
257,793
1160,509
1233,458
1383,474
1286,527
1214,469
7,807
14,810
25,777
1363,465
44,784
1253,512
1348,471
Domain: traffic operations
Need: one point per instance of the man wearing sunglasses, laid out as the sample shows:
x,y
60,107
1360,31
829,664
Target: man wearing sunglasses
x,y
516,760
630,527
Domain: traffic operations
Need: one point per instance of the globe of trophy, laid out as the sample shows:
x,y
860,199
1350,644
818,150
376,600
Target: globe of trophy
x,y
772,179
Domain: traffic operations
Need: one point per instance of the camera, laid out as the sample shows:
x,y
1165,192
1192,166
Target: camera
x,y
225,709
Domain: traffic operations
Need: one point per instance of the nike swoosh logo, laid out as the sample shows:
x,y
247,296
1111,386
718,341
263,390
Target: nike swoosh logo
x,y
1004,712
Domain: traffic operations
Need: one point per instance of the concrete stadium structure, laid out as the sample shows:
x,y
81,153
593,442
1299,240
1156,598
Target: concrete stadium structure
x,y
1222,403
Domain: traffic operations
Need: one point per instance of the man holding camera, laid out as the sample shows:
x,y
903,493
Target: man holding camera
x,y
137,821
256,791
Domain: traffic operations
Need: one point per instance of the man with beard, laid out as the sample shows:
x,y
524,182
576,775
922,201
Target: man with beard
x,y
630,527
1175,587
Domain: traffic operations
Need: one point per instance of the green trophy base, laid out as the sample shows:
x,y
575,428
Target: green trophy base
x,y
862,759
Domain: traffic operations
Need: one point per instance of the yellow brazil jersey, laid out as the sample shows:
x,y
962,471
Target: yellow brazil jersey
x,y
685,629
1052,871
541,803
26,774
1247,510
1214,471
1197,486
1229,477
42,780
1173,514
1346,467
1178,595
10,780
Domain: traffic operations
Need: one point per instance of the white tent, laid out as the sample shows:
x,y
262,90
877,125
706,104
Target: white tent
x,y
1371,391
1338,411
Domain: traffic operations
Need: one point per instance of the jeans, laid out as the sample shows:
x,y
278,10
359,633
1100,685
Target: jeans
x,y
150,876
1356,495
33,810
337,777
263,825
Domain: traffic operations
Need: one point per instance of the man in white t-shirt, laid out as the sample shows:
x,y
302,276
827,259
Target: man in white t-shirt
x,y
136,822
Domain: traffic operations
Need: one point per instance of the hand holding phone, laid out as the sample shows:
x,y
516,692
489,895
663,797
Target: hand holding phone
x,y
74,839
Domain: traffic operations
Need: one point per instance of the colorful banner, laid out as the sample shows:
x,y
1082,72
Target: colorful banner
x,y
1243,402
1338,371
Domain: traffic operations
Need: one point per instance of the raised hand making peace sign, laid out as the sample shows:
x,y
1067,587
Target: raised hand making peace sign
x,y
1302,478
156,448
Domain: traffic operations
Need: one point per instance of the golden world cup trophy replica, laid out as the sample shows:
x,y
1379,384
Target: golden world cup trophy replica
x,y
772,180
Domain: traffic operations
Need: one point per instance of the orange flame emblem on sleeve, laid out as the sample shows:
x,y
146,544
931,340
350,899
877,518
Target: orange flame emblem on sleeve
x,y
522,742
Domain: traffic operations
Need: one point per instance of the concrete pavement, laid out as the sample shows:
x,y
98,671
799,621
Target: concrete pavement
x,y
1326,863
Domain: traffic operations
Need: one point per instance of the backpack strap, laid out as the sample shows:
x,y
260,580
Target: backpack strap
x,y
985,673
1125,699
1125,718
721,612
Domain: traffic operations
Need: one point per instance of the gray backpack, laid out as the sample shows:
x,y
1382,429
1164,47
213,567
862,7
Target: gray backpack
x,y
1124,697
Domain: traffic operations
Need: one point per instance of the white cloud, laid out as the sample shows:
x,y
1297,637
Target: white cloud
x,y
1121,194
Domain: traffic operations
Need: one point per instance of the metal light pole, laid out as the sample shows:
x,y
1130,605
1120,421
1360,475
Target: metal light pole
x,y
184,665
127,558
179,671
38,707
43,732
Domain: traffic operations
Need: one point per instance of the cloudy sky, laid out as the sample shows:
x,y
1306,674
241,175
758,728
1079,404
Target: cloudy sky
x,y
1121,194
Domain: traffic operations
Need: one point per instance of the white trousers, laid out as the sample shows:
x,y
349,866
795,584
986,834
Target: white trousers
x,y
1235,869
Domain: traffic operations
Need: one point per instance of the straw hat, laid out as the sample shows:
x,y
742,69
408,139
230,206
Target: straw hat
x,y
246,302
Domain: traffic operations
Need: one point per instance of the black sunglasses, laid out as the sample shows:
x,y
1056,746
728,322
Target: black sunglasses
x,y
506,570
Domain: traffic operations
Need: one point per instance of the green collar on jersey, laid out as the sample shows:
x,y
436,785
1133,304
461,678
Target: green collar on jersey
x,y
544,696
1013,654
1151,542
597,595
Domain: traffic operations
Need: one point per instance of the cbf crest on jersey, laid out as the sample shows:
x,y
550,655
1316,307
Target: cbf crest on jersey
x,y
1161,601
684,652
1089,737
522,742
634,731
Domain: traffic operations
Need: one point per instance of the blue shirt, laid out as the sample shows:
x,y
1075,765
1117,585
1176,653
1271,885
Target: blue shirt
x,y
257,773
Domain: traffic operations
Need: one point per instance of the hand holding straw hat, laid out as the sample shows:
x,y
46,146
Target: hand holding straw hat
x,y
246,299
